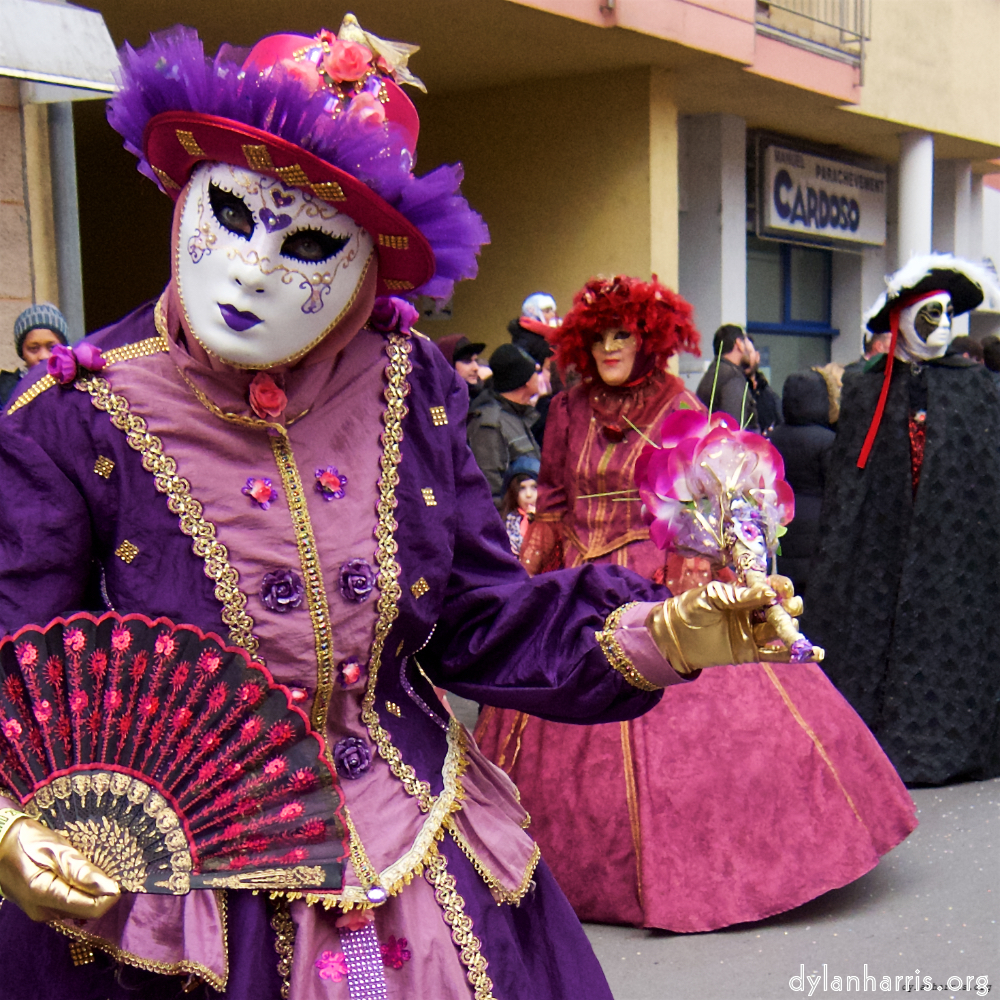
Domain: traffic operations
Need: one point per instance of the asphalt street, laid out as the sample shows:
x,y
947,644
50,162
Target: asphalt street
x,y
930,905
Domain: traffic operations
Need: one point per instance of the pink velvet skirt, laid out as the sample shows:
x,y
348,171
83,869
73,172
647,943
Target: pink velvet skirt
x,y
744,793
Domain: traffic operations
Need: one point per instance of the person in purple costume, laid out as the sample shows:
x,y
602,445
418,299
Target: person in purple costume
x,y
270,453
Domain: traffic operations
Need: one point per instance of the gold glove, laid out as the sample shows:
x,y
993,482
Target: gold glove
x,y
46,876
711,625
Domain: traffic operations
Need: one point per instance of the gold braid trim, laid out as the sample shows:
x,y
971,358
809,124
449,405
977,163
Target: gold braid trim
x,y
284,943
179,500
319,609
127,352
616,655
446,894
33,391
184,966
396,390
500,892
140,349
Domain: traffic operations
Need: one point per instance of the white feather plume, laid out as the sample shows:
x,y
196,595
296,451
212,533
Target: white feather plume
x,y
919,267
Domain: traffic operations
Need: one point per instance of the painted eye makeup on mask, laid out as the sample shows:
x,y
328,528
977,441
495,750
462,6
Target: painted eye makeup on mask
x,y
231,211
312,245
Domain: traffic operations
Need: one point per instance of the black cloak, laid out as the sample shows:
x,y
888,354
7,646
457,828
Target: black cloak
x,y
905,592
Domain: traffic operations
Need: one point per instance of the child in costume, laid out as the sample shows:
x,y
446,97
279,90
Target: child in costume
x,y
670,820
519,498
909,550
270,453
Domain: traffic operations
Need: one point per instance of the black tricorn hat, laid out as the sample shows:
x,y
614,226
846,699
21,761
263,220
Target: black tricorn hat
x,y
964,281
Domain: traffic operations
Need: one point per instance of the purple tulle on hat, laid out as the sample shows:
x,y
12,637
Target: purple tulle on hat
x,y
172,73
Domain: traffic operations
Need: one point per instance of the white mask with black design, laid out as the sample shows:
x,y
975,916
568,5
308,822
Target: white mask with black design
x,y
925,329
264,272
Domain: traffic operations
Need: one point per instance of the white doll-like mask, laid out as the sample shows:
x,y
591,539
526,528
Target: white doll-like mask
x,y
264,272
925,328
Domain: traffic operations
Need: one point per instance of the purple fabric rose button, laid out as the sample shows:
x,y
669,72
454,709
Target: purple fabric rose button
x,y
356,580
351,757
282,590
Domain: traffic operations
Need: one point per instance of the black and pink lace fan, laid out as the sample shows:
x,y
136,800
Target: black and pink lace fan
x,y
169,759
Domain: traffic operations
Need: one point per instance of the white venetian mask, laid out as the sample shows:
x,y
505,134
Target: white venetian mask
x,y
925,328
264,272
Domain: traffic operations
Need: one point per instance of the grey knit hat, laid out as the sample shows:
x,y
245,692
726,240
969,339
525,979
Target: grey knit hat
x,y
41,316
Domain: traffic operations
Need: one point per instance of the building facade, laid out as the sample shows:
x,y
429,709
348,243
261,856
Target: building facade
x,y
772,160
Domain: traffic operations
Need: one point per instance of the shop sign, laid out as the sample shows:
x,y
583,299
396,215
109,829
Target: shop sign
x,y
819,199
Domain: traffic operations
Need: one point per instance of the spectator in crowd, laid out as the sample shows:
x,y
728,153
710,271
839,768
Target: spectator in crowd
x,y
765,399
530,332
966,347
805,441
991,357
463,356
873,346
519,497
501,417
724,385
36,331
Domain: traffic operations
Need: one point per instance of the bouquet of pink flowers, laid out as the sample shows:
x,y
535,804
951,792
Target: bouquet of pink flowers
x,y
711,489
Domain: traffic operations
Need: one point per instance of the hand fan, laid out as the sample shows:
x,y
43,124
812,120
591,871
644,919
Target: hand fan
x,y
169,759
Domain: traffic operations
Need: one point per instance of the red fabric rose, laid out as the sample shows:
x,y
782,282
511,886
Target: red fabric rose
x,y
266,398
347,60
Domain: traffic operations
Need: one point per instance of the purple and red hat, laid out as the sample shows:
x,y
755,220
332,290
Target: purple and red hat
x,y
325,114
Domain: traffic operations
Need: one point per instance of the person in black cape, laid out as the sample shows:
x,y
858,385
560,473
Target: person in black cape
x,y
906,578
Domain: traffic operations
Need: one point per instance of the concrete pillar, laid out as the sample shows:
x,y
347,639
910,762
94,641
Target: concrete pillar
x,y
952,216
975,251
953,208
15,243
858,280
662,177
916,195
66,213
38,200
712,231
663,181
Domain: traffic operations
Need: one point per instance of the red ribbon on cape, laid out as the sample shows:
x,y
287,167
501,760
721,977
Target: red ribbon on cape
x,y
903,302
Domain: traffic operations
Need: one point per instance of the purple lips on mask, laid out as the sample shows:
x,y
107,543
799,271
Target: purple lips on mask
x,y
237,320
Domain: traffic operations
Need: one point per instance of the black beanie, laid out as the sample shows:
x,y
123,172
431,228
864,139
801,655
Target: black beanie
x,y
511,367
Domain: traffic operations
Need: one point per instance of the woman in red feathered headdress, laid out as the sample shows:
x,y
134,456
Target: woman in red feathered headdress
x,y
676,836
619,336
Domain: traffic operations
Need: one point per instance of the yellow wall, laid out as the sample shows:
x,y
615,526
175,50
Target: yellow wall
x,y
560,170
932,64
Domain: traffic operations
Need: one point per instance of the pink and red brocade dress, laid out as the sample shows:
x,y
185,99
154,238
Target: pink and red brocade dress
x,y
745,793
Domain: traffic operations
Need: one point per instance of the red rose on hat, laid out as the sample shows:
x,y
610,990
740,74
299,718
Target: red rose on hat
x,y
347,60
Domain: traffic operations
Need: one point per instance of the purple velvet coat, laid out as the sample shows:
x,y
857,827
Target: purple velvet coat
x,y
483,628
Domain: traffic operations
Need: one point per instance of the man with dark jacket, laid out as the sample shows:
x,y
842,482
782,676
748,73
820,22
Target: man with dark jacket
x,y
729,390
501,417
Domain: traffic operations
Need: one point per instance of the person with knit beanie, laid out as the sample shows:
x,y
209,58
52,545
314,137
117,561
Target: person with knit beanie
x,y
36,331
502,416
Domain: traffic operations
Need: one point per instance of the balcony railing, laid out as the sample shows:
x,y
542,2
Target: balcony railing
x,y
834,28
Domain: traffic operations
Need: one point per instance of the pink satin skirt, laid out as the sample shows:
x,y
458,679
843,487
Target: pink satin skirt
x,y
744,793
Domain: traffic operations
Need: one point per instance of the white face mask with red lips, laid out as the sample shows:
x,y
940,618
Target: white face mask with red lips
x,y
264,272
